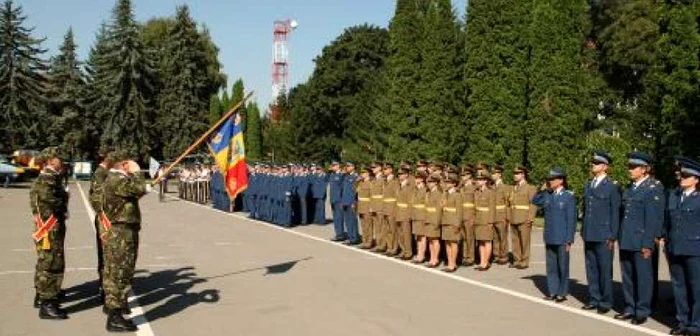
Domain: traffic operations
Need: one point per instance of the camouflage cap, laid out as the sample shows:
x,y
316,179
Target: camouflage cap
x,y
51,152
118,155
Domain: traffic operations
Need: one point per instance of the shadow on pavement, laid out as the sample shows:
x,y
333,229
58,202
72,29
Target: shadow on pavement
x,y
269,270
85,295
663,313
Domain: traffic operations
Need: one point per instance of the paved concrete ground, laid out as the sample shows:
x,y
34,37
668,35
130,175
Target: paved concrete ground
x,y
211,273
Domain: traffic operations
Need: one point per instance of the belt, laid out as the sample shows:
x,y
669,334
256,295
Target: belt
x,y
450,209
500,207
389,200
402,205
419,206
364,199
377,196
468,205
483,209
431,209
521,207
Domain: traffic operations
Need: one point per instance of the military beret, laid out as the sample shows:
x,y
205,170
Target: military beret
x,y
520,169
601,157
556,172
640,159
51,152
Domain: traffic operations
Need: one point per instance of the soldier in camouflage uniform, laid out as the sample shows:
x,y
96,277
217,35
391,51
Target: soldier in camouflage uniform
x,y
122,189
96,200
49,204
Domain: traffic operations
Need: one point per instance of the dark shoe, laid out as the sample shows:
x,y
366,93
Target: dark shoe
x,y
560,299
623,316
501,262
639,320
678,330
589,307
117,323
50,310
449,270
406,257
61,295
418,262
522,267
549,298
37,301
429,265
467,263
338,239
603,310
352,242
483,268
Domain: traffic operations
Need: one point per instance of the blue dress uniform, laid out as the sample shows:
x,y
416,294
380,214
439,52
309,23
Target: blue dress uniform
x,y
349,205
251,194
318,192
559,229
286,186
642,221
601,224
682,231
336,186
303,190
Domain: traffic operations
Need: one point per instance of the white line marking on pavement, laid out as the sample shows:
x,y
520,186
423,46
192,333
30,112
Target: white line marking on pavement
x,y
92,269
476,283
67,248
136,312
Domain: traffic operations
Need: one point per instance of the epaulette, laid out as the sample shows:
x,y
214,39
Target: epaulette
x,y
569,191
615,182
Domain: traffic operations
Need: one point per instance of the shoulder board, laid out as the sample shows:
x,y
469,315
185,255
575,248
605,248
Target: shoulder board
x,y
569,192
615,182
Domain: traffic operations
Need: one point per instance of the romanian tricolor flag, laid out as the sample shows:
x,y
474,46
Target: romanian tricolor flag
x,y
229,153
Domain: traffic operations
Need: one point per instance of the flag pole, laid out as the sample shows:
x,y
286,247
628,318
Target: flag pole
x,y
203,137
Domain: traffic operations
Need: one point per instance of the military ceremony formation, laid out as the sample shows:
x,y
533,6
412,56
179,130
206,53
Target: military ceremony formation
x,y
414,213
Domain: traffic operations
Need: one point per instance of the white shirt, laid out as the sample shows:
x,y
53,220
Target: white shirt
x,y
598,179
558,191
687,193
636,184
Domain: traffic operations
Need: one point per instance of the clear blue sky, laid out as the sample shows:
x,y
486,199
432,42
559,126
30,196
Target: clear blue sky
x,y
241,29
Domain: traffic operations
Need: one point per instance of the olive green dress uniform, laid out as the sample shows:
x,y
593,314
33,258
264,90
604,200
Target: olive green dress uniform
x,y
418,210
376,216
468,214
433,213
49,197
500,239
121,206
403,218
391,191
485,214
451,221
522,214
364,198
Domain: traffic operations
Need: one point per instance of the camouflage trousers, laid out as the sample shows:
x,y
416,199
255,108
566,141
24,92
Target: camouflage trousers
x,y
50,264
120,253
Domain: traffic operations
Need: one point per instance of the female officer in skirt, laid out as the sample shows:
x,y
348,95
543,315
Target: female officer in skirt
x,y
485,206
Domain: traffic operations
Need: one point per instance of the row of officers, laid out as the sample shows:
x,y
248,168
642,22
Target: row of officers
x,y
474,215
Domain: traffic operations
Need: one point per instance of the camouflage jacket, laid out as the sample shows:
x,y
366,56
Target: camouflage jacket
x,y
121,197
97,187
48,195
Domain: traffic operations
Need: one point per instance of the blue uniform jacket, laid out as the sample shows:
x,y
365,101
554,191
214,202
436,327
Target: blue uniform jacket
x,y
601,206
682,224
643,216
336,186
318,187
303,186
348,193
559,216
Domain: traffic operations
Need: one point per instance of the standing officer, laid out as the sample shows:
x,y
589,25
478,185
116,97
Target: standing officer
x,y
318,193
522,214
122,189
377,192
403,215
49,203
418,216
500,238
348,201
601,224
433,218
364,197
643,203
96,200
391,191
683,248
336,186
303,192
467,189
559,205
451,221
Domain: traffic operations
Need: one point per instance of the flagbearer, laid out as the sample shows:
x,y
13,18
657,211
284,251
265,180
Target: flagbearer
x,y
122,222
49,204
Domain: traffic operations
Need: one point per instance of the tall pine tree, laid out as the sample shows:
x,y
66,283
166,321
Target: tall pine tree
x,y
23,83
254,136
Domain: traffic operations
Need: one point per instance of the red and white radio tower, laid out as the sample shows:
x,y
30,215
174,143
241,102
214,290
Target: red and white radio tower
x,y
280,56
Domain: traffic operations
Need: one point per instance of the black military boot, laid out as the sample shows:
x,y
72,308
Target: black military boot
x,y
37,301
117,323
50,310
